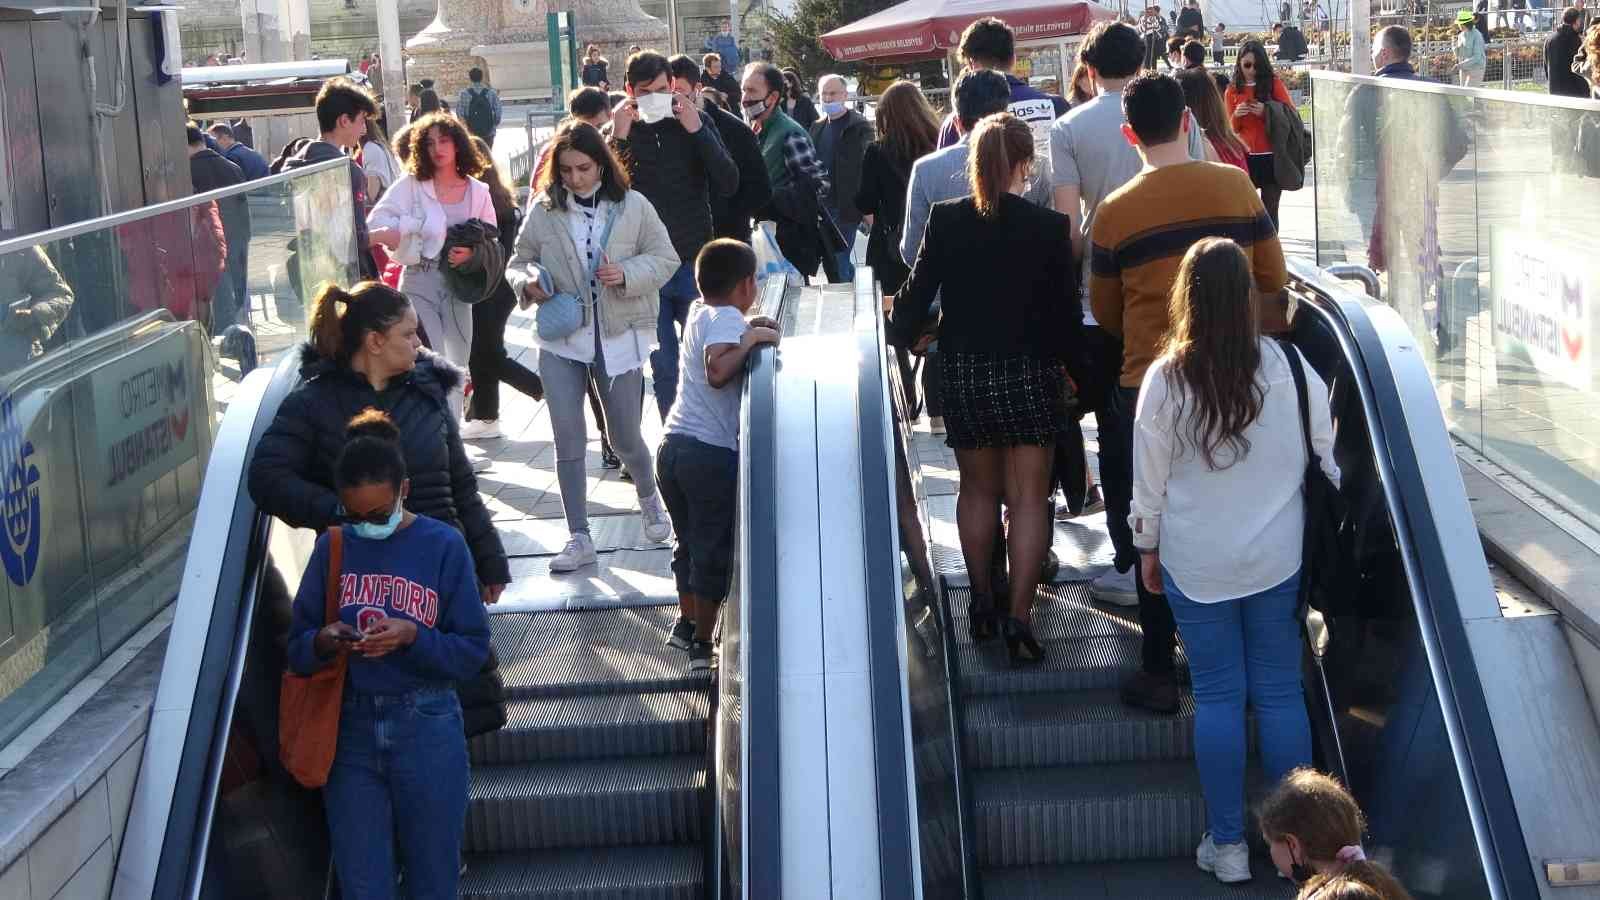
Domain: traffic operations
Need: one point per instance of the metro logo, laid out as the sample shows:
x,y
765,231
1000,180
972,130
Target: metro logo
x,y
19,484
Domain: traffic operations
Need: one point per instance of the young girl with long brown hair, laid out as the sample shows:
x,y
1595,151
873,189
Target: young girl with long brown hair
x,y
1314,828
1200,95
1218,517
907,131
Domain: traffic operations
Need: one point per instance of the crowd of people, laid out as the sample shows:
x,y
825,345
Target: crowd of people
x,y
1115,253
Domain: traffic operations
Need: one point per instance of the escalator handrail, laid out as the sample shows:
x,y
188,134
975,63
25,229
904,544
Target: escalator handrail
x,y
1355,322
886,634
168,825
758,539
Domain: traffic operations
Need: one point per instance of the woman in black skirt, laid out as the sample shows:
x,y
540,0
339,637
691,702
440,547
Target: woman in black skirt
x,y
1011,322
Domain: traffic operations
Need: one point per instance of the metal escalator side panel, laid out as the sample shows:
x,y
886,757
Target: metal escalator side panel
x,y
898,852
1441,555
164,841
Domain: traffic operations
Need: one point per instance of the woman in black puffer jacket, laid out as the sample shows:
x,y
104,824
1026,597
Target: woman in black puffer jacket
x,y
364,353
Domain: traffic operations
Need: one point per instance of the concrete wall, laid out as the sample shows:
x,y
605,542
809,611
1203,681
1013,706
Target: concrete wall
x,y
74,858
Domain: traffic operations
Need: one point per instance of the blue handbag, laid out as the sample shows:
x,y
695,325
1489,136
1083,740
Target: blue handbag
x,y
562,314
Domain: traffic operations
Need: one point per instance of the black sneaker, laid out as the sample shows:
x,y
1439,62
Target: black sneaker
x,y
682,633
700,656
608,457
1157,693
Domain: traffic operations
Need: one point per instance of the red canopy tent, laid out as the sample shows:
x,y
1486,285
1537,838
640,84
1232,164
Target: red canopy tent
x,y
928,28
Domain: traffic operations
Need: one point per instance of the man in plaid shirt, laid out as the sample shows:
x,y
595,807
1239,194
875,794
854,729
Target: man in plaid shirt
x,y
799,180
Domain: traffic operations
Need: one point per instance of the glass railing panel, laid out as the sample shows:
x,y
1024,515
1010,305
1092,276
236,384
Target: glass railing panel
x,y
1478,211
116,362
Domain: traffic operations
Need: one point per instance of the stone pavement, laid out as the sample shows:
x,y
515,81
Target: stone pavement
x,y
522,496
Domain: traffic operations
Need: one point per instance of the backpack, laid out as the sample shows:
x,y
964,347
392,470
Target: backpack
x,y
480,115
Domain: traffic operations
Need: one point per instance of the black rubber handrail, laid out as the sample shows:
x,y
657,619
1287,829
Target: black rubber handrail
x,y
885,636
1507,869
758,462
182,857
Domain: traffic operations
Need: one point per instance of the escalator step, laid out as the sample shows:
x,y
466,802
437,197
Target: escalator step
x,y
1075,664
1058,728
596,726
1123,811
563,654
1169,879
600,873
1060,612
578,803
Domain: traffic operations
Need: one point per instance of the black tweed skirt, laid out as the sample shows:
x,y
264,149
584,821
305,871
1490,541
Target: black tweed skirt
x,y
1001,400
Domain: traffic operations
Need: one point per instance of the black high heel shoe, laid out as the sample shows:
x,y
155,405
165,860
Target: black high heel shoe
x,y
1021,646
982,619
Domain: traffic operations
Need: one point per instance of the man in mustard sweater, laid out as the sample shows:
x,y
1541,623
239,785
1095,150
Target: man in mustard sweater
x,y
1139,236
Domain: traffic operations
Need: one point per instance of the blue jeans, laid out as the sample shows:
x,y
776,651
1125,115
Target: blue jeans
x,y
847,269
676,296
1249,647
400,773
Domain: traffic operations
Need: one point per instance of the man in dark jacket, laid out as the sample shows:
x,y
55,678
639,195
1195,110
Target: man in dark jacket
x,y
1191,22
841,139
730,213
676,160
342,111
1559,50
799,182
251,163
718,77
210,171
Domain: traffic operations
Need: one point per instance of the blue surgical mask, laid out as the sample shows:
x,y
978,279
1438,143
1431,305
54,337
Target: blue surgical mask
x,y
377,532
833,108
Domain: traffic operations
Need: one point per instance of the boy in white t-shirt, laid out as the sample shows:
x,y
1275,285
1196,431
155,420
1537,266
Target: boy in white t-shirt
x,y
697,466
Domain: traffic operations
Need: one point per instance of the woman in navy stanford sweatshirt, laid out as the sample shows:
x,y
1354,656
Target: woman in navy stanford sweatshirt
x,y
413,624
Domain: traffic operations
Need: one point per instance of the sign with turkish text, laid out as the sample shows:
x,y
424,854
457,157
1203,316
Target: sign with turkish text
x,y
1544,290
143,408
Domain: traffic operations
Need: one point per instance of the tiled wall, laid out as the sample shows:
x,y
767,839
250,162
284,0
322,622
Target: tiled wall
x,y
74,858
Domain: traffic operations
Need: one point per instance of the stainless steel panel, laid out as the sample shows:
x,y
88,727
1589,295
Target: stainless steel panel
x,y
21,128
164,162
71,191
120,133
1547,732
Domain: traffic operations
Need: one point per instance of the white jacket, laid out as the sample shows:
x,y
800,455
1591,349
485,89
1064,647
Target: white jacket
x,y
412,207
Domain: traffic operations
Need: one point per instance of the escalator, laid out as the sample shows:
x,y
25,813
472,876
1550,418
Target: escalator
x,y
601,784
1038,782
852,742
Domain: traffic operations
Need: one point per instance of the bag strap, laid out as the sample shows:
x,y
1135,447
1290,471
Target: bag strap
x,y
335,569
1291,353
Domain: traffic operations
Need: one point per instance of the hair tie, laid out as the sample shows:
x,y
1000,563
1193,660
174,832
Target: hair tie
x,y
1351,854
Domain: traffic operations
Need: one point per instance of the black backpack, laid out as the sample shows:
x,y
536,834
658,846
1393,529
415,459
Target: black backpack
x,y
480,114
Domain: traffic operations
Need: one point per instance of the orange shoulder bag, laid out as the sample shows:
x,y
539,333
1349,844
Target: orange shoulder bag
x,y
308,705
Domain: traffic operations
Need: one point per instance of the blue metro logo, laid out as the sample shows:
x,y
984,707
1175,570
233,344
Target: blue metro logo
x,y
20,549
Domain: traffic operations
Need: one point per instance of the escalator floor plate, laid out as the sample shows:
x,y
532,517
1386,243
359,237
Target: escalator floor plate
x,y
591,652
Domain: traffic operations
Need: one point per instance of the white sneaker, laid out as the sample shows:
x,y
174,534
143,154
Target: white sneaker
x,y
481,463
1229,862
936,424
1116,588
578,552
481,430
657,525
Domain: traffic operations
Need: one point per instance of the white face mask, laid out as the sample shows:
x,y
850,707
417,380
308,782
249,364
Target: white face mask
x,y
654,107
586,193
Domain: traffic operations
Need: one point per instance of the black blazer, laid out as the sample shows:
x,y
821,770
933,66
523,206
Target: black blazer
x,y
882,195
1008,283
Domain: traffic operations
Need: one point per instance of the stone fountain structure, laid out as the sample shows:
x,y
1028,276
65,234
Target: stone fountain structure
x,y
507,39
